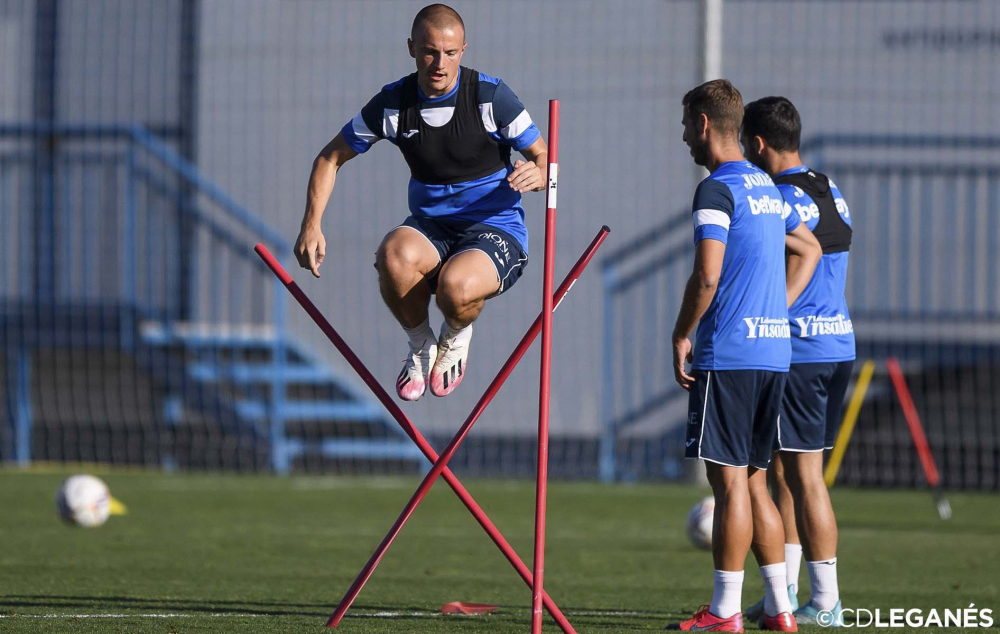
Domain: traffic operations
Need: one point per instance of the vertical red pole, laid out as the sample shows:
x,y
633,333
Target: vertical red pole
x,y
542,475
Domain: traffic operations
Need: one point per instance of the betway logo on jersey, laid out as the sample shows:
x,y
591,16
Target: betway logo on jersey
x,y
767,328
815,326
757,179
766,205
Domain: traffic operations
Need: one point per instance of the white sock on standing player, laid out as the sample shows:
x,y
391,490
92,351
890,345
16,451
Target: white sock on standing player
x,y
824,592
775,589
793,561
727,595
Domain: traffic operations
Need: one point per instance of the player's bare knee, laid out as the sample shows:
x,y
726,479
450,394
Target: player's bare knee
x,y
455,294
794,477
398,260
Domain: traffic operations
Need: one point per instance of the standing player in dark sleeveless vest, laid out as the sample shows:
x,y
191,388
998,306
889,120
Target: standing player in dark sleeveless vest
x,y
822,356
465,239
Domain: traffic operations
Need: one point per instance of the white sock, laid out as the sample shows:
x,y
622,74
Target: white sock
x,y
775,589
793,561
420,336
727,595
824,592
448,333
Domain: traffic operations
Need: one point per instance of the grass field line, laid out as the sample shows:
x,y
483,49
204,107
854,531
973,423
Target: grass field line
x,y
350,615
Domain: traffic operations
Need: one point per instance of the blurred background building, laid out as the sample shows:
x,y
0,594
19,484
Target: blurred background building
x,y
147,145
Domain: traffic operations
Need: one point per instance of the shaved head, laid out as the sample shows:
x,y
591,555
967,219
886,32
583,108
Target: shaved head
x,y
437,16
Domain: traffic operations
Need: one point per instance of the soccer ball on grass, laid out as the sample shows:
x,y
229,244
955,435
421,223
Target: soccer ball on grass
x,y
84,500
699,523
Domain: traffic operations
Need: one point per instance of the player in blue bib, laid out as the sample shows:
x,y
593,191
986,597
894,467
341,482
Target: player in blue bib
x,y
822,355
465,239
738,297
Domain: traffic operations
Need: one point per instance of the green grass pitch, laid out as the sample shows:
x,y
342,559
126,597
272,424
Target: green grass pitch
x,y
218,553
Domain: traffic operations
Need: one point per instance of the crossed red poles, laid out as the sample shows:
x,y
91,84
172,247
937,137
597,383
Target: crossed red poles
x,y
440,462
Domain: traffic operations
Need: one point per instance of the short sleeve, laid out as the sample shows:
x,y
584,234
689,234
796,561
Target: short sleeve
x,y
712,211
512,124
789,215
791,218
365,129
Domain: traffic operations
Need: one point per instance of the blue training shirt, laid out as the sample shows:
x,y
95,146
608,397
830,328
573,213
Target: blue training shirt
x,y
488,200
746,325
822,331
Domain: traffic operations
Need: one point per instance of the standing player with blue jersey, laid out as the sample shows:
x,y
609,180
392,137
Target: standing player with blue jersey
x,y
465,239
822,355
738,298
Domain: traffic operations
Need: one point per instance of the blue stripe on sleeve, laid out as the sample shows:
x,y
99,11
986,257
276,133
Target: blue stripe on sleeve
x,y
525,139
357,144
713,232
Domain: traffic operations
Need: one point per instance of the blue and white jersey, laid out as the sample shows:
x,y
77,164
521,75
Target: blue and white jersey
x,y
489,199
746,325
822,330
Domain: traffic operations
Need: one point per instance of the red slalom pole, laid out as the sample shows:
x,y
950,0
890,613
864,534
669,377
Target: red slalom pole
x,y
913,421
542,475
453,445
404,422
917,432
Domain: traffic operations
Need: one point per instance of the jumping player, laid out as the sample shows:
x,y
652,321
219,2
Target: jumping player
x,y
465,238
822,357
740,359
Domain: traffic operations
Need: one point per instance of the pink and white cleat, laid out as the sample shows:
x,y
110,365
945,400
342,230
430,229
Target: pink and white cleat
x,y
412,381
783,622
449,370
705,621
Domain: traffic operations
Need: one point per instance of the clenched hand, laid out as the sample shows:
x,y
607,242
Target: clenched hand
x,y
526,177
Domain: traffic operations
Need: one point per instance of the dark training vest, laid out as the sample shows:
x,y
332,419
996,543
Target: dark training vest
x,y
457,152
833,233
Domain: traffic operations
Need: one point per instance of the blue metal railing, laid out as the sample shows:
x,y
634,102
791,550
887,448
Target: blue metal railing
x,y
925,228
120,203
44,159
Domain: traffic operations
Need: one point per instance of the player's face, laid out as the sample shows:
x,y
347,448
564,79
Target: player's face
x,y
438,53
695,139
750,150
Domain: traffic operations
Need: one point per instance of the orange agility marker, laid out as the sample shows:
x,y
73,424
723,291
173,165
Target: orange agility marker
x,y
469,609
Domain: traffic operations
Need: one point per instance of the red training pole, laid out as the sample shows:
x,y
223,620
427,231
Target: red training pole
x,y
452,448
542,475
408,426
919,439
913,421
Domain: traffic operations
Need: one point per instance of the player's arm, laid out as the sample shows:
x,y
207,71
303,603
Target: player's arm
x,y
804,253
310,247
512,125
530,175
698,295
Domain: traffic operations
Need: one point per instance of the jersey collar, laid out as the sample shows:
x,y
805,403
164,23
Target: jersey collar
x,y
794,170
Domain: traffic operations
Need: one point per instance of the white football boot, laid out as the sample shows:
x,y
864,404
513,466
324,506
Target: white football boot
x,y
452,362
412,381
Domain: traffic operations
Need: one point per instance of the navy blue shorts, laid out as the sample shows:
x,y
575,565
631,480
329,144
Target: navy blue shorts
x,y
733,416
451,237
810,408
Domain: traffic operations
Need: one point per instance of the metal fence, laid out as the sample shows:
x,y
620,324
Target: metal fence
x,y
243,93
920,287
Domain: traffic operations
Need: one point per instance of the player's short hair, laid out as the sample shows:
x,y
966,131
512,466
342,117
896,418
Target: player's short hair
x,y
719,101
775,120
439,16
